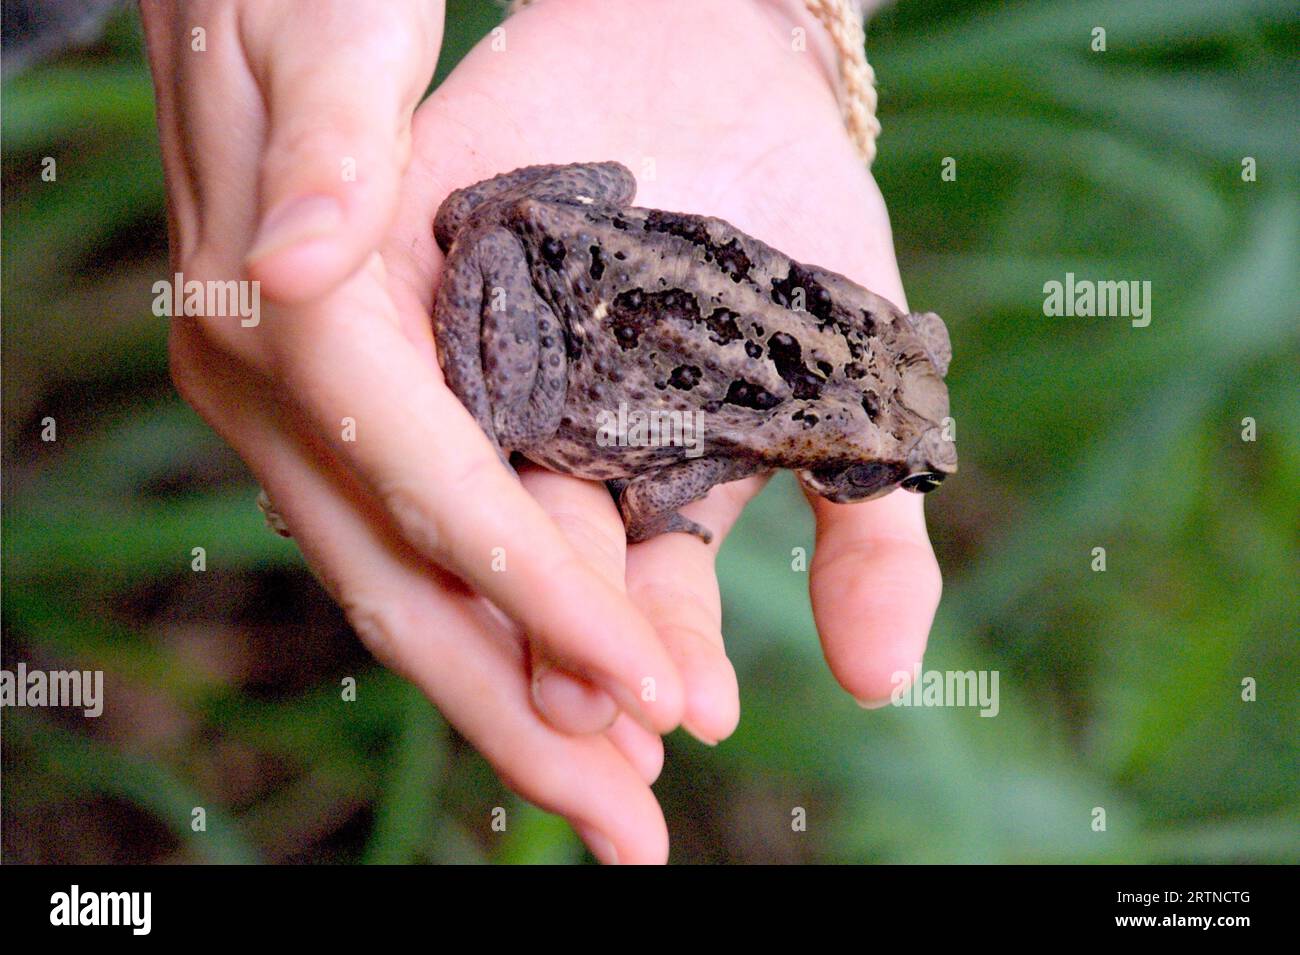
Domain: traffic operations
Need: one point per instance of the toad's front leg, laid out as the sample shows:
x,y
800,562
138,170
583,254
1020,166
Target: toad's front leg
x,y
649,502
500,346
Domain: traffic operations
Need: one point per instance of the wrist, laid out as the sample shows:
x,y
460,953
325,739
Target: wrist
x,y
791,15
756,44
784,15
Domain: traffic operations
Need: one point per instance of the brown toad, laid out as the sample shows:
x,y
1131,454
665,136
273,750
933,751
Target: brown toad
x,y
665,353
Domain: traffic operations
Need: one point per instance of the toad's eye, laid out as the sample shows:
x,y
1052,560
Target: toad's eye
x,y
925,482
871,476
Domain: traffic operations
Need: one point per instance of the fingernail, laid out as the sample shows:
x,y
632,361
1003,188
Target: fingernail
x,y
540,671
629,703
599,846
294,221
703,739
556,693
875,704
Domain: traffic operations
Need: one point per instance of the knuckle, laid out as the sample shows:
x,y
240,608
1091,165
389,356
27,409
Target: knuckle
x,y
191,371
211,294
417,520
379,621
450,535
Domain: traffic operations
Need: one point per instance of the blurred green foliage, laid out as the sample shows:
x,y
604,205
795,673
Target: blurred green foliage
x,y
1119,689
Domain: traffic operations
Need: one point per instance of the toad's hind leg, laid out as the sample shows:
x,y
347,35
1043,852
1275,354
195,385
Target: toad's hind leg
x,y
525,366
457,331
649,502
609,183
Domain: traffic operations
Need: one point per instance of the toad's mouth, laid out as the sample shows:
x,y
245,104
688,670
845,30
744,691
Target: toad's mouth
x,y
836,489
924,482
931,459
852,483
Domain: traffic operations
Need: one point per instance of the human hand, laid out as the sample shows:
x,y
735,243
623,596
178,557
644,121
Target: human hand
x,y
734,124
260,118
873,561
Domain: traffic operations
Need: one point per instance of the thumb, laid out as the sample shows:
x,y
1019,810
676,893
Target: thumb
x,y
339,102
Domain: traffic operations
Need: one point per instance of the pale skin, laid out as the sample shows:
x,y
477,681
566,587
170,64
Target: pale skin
x,y
400,525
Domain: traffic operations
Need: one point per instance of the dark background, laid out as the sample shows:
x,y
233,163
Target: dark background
x,y
1120,690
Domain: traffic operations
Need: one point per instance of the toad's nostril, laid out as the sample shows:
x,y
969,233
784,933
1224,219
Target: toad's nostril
x,y
933,453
